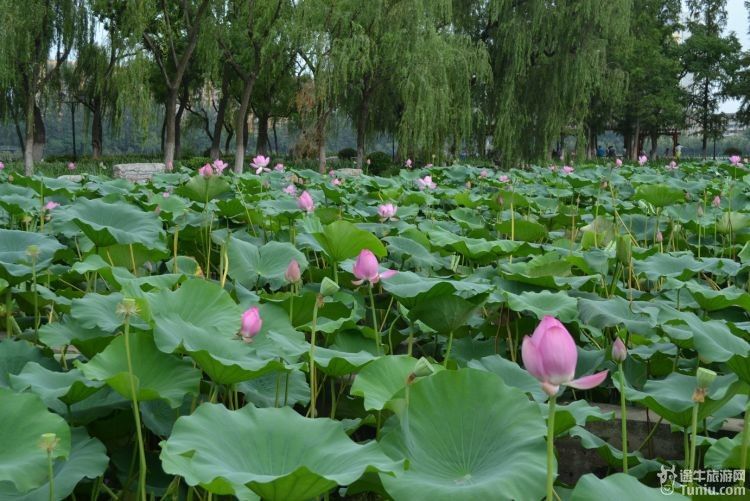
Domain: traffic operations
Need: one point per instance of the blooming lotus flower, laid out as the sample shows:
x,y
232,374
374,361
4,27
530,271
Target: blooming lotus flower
x,y
305,202
366,269
408,163
336,182
260,164
426,182
51,205
618,163
386,211
290,190
206,171
484,173
293,273
71,166
619,351
642,159
716,202
220,165
735,159
165,194
672,165
279,167
550,355
567,169
251,324
504,179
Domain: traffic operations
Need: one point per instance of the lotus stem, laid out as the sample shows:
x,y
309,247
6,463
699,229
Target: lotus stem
x,y
693,438
313,376
136,414
551,449
448,350
623,420
175,267
745,443
9,313
36,296
51,474
132,260
375,322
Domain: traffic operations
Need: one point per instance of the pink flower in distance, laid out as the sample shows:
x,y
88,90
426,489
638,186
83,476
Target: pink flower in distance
x,y
716,202
336,182
305,202
619,351
568,169
735,159
220,165
408,163
672,165
290,190
553,168
51,205
428,166
426,182
279,167
504,179
169,166
71,166
659,237
484,173
165,194
550,355
367,269
618,163
642,159
251,324
2,166
260,164
386,211
293,273
206,171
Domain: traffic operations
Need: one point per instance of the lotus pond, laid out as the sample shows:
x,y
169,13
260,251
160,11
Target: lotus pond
x,y
287,335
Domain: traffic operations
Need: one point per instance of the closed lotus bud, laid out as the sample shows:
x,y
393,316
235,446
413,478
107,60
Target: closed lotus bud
x,y
619,351
700,211
48,442
422,368
624,249
293,274
705,377
328,287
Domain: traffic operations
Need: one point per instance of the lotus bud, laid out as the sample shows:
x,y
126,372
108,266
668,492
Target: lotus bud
x,y
251,324
704,378
659,237
32,251
422,368
48,442
619,351
700,211
624,249
716,202
292,273
328,287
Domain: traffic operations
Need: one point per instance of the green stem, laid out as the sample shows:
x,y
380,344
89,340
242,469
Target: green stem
x,y
693,437
137,414
448,351
313,376
623,420
745,443
551,449
9,313
51,474
36,298
378,342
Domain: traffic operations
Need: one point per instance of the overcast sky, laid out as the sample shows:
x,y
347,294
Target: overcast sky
x,y
737,21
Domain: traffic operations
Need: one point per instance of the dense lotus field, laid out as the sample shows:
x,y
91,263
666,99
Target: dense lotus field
x,y
287,335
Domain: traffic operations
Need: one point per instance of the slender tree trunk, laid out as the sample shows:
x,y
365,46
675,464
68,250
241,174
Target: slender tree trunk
x,y
178,129
239,155
364,110
261,142
73,129
96,130
275,138
170,111
220,112
654,145
228,141
28,150
320,138
40,135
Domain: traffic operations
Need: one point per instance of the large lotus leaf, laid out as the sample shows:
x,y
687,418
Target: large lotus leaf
x,y
88,459
414,252
15,264
272,453
522,229
557,304
15,354
69,332
67,387
156,375
576,413
712,300
733,222
338,363
446,314
680,265
23,420
618,486
638,465
202,189
407,286
18,200
468,218
472,248
659,195
511,374
712,339
469,436
277,389
99,311
337,310
671,397
726,453
254,266
382,379
342,240
637,316
116,223
202,319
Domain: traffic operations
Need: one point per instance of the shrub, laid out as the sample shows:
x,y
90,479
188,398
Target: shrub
x,y
379,162
347,154
732,150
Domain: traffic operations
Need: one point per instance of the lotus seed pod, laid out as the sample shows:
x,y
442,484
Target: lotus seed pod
x,y
328,287
48,442
705,377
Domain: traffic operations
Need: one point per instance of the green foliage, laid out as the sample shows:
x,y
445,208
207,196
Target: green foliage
x,y
347,154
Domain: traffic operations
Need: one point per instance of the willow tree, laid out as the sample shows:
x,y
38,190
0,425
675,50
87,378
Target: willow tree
x,y
37,38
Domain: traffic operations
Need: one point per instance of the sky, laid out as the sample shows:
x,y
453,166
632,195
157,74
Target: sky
x,y
736,21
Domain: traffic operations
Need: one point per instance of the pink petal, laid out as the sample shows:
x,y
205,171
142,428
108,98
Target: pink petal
x,y
588,382
358,282
388,274
531,359
558,351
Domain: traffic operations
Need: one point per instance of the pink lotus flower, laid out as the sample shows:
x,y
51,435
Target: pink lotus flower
x,y
484,173
618,163
672,165
336,182
332,173
220,165
279,167
206,171
387,211
166,194
260,164
408,163
366,269
71,166
51,205
550,355
428,166
293,273
2,166
169,166
504,179
567,169
426,182
619,351
251,324
290,190
735,159
716,202
659,237
305,202
642,160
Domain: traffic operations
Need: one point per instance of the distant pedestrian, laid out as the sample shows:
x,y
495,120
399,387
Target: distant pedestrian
x,y
678,151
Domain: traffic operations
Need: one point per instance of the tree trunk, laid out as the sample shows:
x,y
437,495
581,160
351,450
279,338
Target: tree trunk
x,y
364,109
220,112
40,135
240,126
169,126
275,138
320,138
178,129
261,143
96,130
28,150
654,145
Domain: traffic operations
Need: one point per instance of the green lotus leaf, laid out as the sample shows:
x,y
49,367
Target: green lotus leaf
x,y
512,374
379,381
15,354
88,459
556,304
726,452
203,189
53,387
681,265
15,263
636,316
617,486
156,375
272,453
522,229
342,240
446,314
339,363
576,413
18,200
254,266
277,389
69,332
23,420
414,253
659,195
466,435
